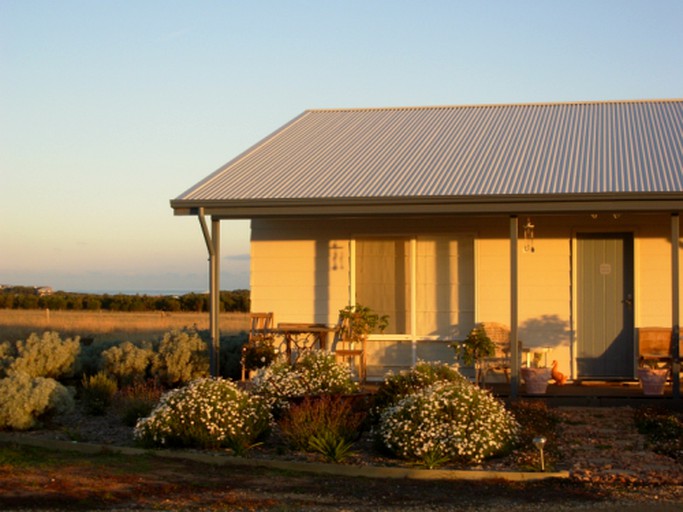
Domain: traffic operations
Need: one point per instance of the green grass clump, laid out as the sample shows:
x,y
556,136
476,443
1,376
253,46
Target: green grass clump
x,y
98,392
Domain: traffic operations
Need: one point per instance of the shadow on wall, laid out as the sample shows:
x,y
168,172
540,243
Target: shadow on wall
x,y
545,331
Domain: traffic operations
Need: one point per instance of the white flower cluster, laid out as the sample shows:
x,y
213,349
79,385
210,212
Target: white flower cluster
x,y
457,420
208,413
316,372
425,373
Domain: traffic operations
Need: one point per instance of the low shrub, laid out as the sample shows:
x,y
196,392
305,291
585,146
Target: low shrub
x,y
315,373
662,429
97,393
447,421
207,413
137,400
128,362
535,419
182,356
42,356
423,374
230,355
7,355
25,400
90,357
327,418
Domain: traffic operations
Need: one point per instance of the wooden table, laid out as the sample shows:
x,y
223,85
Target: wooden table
x,y
302,336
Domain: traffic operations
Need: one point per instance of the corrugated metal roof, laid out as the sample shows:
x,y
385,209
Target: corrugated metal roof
x,y
549,150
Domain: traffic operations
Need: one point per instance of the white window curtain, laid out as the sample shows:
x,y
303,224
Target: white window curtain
x,y
444,283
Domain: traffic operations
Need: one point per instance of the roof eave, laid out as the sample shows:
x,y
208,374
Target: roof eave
x,y
373,206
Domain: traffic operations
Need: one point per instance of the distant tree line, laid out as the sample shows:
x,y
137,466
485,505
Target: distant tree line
x,y
27,297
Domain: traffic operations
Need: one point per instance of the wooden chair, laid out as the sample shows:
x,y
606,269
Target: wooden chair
x,y
654,345
348,349
501,361
260,331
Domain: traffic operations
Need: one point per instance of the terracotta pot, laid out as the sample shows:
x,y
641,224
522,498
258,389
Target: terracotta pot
x,y
653,380
536,380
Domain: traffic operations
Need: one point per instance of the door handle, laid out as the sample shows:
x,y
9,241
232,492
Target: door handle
x,y
628,301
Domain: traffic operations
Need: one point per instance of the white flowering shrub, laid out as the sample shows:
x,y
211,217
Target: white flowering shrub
x,y
397,385
182,356
127,362
207,413
41,356
448,421
24,400
316,372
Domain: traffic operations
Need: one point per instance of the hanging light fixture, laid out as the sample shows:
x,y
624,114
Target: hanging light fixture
x,y
528,236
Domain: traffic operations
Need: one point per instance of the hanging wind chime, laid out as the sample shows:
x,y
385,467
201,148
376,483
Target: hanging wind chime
x,y
528,236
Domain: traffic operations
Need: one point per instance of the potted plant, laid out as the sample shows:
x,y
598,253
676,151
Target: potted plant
x,y
258,355
536,376
473,350
359,321
355,324
652,378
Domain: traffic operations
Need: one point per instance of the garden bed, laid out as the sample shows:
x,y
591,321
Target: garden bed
x,y
591,444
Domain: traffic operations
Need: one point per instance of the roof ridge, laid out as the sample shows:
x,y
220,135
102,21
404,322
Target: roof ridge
x,y
494,105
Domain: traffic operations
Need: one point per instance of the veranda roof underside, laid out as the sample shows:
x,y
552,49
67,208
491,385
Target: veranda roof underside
x,y
459,159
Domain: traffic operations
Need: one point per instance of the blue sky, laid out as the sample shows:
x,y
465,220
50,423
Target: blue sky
x,y
110,109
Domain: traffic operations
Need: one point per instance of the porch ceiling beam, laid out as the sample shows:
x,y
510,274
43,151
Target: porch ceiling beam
x,y
394,206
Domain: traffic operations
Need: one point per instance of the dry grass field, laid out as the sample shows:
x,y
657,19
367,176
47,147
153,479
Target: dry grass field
x,y
110,325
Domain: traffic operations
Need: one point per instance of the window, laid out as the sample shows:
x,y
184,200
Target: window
x,y
383,280
426,281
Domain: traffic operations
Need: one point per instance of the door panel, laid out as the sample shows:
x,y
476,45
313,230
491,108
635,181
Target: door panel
x,y
605,305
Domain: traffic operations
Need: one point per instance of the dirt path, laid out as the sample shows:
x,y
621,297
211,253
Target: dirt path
x,y
103,483
611,471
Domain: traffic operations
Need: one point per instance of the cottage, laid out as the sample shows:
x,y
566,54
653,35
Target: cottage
x,y
554,219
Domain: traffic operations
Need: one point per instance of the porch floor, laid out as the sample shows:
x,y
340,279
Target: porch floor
x,y
587,393
595,393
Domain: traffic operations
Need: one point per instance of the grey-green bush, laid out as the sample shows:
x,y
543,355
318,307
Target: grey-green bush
x,y
182,356
90,357
25,400
45,356
7,355
127,362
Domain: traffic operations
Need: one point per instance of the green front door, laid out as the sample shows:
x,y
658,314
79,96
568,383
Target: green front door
x,y
604,321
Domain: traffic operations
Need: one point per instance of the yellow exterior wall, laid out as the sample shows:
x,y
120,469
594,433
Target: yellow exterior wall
x,y
300,270
300,280
653,278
